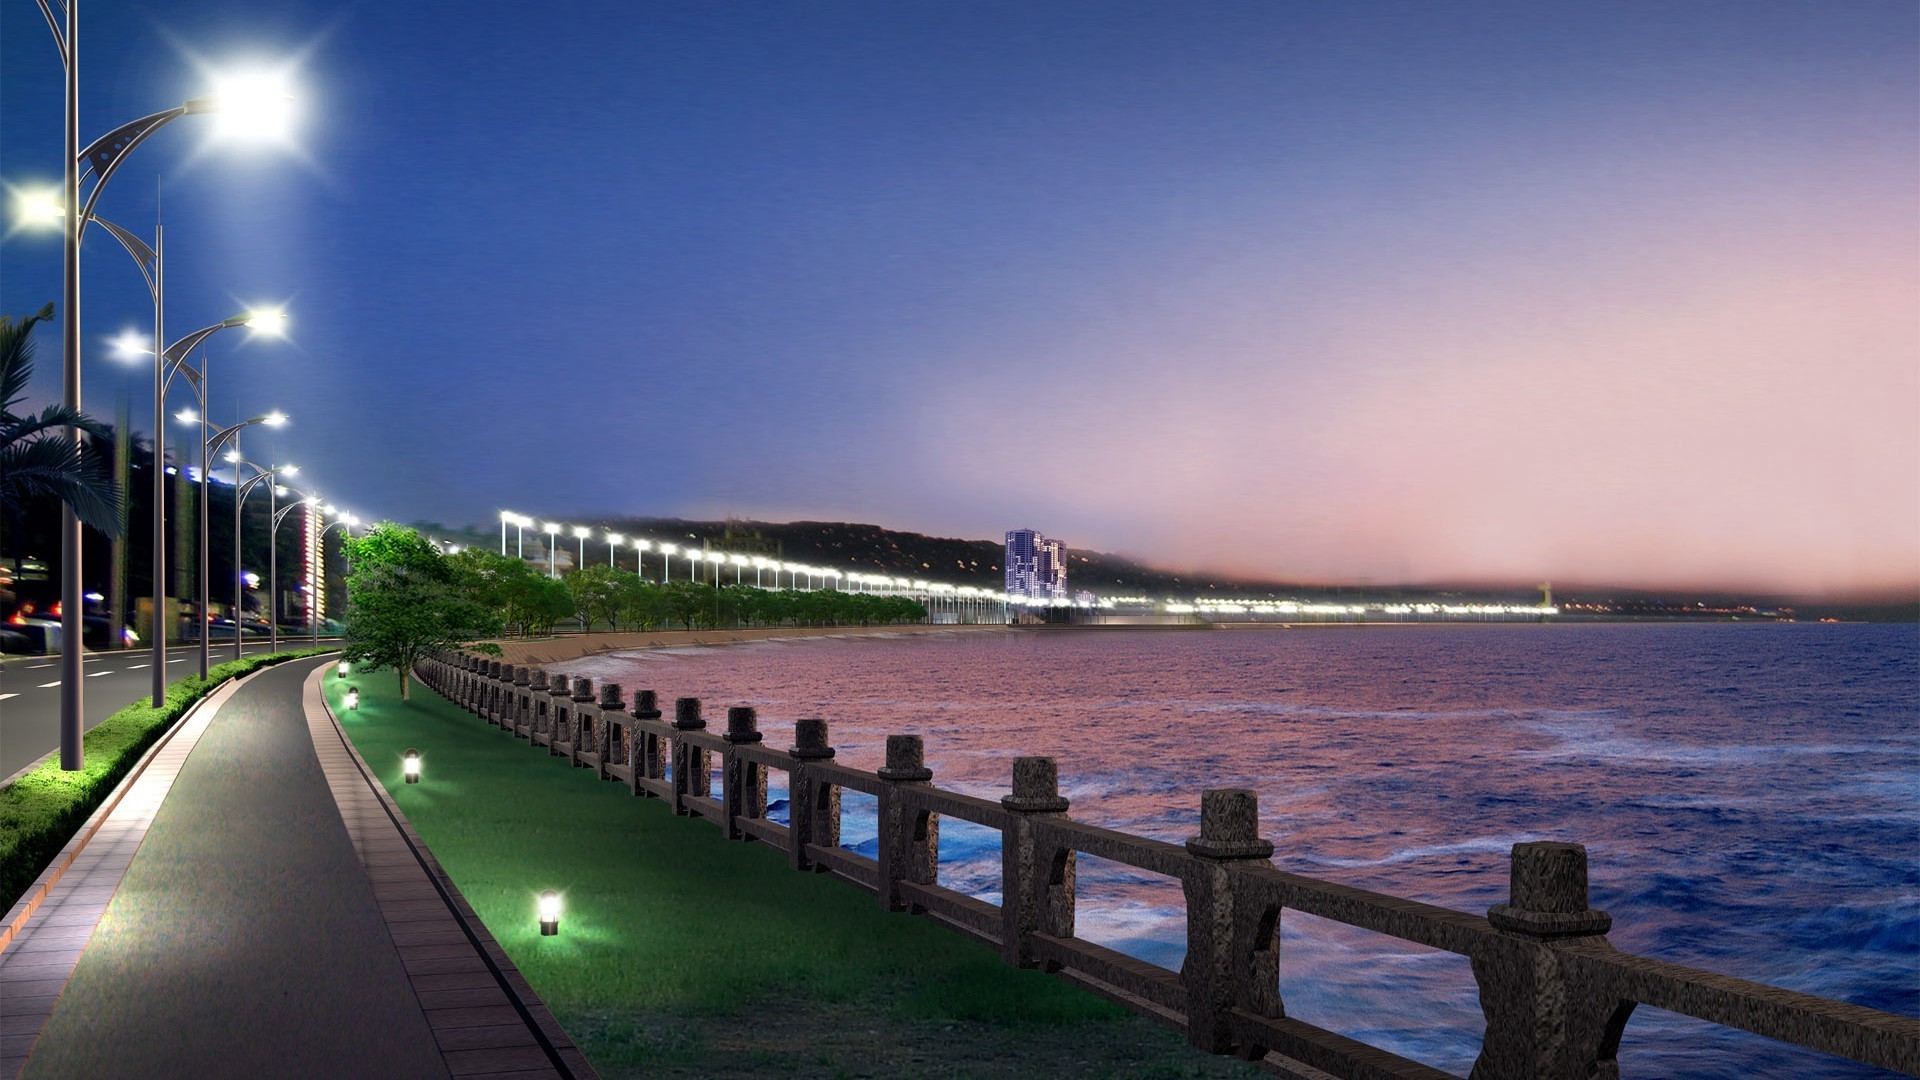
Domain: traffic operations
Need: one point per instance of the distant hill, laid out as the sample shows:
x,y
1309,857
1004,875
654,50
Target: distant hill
x,y
849,546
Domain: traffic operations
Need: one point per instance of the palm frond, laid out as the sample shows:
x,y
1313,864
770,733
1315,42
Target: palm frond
x,y
51,466
16,356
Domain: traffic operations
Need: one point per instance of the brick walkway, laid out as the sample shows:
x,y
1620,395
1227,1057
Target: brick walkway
x,y
255,907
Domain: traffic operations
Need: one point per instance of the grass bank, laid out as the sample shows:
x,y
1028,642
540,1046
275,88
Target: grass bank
x,y
42,810
683,954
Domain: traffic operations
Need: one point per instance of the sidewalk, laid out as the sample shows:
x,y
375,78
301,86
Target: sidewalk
x,y
274,920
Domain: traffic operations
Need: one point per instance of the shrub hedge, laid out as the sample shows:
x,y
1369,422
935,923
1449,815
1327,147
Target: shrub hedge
x,y
42,810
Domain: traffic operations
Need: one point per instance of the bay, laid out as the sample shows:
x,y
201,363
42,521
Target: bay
x,y
1749,794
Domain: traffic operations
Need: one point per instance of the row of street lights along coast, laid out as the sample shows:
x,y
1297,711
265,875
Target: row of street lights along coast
x,y
766,571
252,106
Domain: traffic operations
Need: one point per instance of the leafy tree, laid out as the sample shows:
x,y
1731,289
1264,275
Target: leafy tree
x,y
599,593
405,599
36,456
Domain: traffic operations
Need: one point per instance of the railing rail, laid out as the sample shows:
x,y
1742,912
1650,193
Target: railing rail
x,y
1557,997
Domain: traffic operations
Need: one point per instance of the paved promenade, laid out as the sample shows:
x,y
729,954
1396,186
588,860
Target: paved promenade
x,y
253,909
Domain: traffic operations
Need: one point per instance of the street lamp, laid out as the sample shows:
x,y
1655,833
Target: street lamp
x,y
666,561
101,159
581,532
344,522
614,540
640,557
273,562
552,529
239,501
209,446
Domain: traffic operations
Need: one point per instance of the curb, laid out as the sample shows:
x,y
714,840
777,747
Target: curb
x,y
553,1039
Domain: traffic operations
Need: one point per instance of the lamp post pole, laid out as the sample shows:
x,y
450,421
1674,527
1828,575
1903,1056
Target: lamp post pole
x,y
320,583
101,158
240,492
209,445
273,562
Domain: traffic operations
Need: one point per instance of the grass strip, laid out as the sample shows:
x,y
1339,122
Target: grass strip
x,y
42,810
675,943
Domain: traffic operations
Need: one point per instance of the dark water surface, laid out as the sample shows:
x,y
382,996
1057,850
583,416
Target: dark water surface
x,y
1749,794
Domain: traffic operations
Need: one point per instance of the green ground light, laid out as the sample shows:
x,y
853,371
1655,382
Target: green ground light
x,y
683,954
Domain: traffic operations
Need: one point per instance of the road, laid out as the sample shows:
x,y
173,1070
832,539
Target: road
x,y
30,692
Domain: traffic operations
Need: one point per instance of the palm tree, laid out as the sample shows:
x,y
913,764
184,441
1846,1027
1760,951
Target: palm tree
x,y
37,457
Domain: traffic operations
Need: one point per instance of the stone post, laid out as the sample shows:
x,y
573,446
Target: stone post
x,y
559,691
581,713
610,703
813,806
1542,1019
1030,897
743,784
692,768
535,701
909,837
516,719
1229,833
644,751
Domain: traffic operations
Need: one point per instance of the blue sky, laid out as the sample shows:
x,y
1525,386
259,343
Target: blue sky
x,y
1396,291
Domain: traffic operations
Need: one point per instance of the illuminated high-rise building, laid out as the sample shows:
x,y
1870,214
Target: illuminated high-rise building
x,y
1036,566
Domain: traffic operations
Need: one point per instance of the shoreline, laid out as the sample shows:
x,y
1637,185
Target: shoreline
x,y
557,650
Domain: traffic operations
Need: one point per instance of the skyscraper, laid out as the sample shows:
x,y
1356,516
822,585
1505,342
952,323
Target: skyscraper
x,y
1036,566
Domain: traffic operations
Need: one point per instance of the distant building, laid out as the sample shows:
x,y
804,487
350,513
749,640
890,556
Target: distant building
x,y
1036,566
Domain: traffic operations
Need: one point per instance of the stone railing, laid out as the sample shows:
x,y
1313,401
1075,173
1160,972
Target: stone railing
x,y
1556,995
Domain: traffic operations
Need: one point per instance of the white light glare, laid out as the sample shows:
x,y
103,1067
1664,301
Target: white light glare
x,y
269,321
253,105
130,345
39,208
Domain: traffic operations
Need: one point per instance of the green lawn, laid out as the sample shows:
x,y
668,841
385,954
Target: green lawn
x,y
677,944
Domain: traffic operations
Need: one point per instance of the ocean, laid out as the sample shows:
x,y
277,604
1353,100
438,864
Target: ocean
x,y
1749,794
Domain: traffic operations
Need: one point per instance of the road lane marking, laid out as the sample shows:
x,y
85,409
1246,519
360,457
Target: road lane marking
x,y
36,667
137,667
97,674
48,685
182,660
4,697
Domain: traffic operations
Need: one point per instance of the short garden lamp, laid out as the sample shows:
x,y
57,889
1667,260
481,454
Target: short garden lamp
x,y
410,765
549,913
353,698
341,672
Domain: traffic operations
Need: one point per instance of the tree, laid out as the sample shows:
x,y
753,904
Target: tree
x,y
600,593
405,599
36,455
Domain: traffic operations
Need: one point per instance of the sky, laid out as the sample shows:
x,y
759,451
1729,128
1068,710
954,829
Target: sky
x,y
1500,292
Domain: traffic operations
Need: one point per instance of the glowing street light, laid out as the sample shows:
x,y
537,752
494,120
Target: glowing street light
x,y
614,540
581,532
410,765
209,446
353,698
552,529
240,493
667,551
100,160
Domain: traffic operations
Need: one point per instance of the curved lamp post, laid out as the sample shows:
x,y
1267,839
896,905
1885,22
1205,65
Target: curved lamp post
x,y
239,502
101,159
210,446
344,522
173,362
273,559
